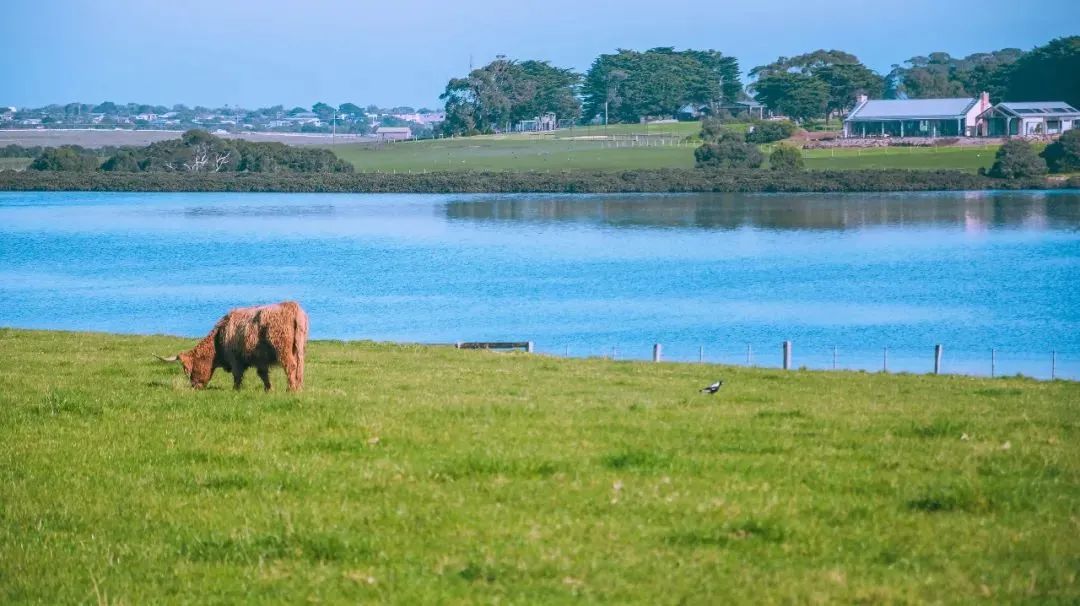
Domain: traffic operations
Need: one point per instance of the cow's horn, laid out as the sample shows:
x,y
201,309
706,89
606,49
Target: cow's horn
x,y
169,359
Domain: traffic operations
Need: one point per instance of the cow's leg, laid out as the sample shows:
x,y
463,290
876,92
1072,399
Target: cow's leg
x,y
238,376
264,374
290,375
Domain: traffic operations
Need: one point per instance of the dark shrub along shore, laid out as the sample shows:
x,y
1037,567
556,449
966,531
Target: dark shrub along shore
x,y
578,181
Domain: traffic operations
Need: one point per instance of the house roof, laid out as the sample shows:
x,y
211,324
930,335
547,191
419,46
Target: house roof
x,y
1038,109
393,129
912,109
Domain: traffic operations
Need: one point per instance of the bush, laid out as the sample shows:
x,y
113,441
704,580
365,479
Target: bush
x,y
1016,160
122,161
18,151
65,158
713,129
770,131
1063,155
786,157
199,151
728,152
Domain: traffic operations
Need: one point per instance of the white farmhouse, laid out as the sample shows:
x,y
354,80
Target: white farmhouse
x,y
957,117
1030,118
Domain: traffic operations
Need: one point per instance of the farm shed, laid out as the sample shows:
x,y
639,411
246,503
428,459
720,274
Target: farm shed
x,y
393,133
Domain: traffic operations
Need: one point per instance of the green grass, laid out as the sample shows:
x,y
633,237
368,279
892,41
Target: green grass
x,y
580,147
14,163
584,148
920,158
415,475
490,153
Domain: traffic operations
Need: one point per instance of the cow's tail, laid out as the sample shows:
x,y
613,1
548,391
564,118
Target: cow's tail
x,y
299,344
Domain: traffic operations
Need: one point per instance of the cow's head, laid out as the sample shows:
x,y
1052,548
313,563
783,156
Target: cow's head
x,y
198,368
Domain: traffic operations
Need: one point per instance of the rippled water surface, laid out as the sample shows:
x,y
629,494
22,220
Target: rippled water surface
x,y
584,275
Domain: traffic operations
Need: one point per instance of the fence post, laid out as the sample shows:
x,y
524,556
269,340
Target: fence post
x,y
885,360
614,353
834,357
529,347
566,352
700,354
1053,365
656,352
787,355
993,362
937,359
748,352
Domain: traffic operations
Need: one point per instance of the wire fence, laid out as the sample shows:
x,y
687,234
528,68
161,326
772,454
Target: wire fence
x,y
940,359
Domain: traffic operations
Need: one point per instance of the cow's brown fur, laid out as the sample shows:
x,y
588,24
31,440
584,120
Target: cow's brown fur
x,y
252,336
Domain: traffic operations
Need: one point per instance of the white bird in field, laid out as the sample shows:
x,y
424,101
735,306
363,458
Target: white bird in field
x,y
712,389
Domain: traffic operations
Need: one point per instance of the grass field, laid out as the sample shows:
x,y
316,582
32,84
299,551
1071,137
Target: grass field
x,y
14,163
581,149
968,158
412,475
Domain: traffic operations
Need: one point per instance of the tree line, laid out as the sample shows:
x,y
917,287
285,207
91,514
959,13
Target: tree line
x,y
195,152
628,86
622,87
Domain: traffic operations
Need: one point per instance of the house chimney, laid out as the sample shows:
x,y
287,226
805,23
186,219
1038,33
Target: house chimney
x,y
861,99
984,100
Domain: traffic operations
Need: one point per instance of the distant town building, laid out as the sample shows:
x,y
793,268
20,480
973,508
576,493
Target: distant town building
x,y
305,118
425,119
1029,118
393,133
958,117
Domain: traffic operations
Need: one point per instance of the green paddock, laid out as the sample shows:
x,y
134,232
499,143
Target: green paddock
x,y
431,475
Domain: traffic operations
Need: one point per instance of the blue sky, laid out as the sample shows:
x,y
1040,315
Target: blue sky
x,y
217,52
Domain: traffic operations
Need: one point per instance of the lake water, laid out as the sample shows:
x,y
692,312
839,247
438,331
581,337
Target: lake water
x,y
582,274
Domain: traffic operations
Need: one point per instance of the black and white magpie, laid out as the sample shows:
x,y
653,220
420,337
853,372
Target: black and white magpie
x,y
712,389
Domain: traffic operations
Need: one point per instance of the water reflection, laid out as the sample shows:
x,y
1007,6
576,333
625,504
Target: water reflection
x,y
971,211
293,210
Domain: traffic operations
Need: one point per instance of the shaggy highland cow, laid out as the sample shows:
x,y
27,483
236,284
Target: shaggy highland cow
x,y
251,336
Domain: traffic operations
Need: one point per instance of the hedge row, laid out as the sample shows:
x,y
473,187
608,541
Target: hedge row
x,y
578,181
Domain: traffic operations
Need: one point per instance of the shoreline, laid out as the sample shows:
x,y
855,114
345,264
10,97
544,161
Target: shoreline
x,y
567,182
549,353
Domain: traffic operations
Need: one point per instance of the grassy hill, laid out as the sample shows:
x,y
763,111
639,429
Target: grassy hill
x,y
413,474
622,147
